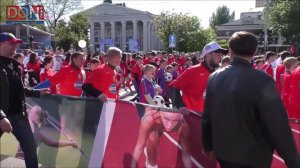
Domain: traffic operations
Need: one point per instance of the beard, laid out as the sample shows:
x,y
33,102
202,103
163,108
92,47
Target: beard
x,y
213,64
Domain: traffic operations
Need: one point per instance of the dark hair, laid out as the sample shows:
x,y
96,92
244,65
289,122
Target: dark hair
x,y
18,56
195,61
138,58
74,56
243,44
134,55
123,58
284,54
174,64
162,61
94,61
153,54
259,61
32,58
225,60
68,57
269,54
89,56
47,60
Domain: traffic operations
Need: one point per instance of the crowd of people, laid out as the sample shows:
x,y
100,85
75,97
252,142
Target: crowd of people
x,y
177,79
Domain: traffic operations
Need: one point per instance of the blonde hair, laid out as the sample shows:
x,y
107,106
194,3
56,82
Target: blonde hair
x,y
112,52
288,62
148,67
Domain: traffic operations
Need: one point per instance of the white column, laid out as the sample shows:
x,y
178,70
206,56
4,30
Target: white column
x,y
134,22
145,32
102,30
92,36
149,36
123,43
113,31
152,37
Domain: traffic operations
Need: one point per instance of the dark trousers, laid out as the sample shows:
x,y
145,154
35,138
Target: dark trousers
x,y
225,164
23,133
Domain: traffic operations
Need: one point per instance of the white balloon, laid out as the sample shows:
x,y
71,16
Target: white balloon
x,y
81,43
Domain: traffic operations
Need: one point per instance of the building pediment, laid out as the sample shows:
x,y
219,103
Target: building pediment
x,y
107,9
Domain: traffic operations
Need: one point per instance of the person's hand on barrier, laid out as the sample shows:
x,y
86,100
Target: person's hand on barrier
x,y
209,154
5,125
183,110
102,97
74,144
45,91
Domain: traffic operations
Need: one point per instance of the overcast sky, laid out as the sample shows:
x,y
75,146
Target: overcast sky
x,y
203,9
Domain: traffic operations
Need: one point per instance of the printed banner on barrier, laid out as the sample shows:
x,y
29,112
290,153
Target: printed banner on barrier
x,y
82,132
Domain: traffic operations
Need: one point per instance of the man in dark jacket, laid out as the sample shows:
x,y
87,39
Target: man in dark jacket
x,y
244,120
13,116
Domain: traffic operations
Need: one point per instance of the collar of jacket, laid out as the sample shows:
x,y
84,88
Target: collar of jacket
x,y
240,61
6,60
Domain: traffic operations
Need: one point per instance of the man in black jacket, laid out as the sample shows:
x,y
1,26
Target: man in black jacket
x,y
13,116
244,119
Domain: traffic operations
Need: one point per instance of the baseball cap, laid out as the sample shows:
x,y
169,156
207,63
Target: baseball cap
x,y
213,47
9,37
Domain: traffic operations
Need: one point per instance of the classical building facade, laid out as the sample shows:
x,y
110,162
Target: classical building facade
x,y
126,28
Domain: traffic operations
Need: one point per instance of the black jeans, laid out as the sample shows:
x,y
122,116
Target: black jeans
x,y
225,164
23,133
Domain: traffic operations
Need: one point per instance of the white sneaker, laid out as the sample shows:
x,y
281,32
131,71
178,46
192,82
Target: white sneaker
x,y
147,164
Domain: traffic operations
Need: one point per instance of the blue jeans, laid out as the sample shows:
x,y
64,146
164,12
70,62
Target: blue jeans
x,y
23,133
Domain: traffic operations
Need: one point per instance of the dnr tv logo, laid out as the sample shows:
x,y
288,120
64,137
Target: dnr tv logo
x,y
27,14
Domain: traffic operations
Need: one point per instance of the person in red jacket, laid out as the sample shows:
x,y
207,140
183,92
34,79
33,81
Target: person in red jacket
x,y
48,72
34,67
295,93
280,70
192,82
125,73
71,77
270,64
102,81
290,65
137,73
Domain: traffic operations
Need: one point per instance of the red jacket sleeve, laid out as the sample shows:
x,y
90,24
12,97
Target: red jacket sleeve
x,y
58,77
182,81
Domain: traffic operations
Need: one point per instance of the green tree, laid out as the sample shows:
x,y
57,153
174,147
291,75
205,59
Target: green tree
x,y
223,43
63,36
284,19
68,34
221,16
3,4
189,33
79,26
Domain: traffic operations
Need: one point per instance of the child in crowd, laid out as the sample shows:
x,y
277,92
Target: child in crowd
x,y
175,70
259,63
137,73
147,85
